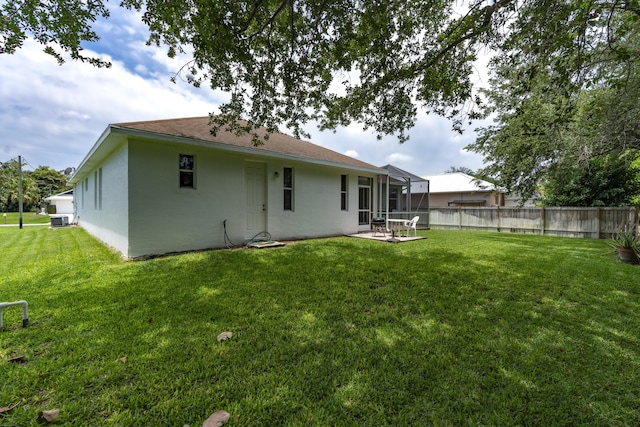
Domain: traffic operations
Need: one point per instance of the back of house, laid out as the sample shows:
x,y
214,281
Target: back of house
x,y
155,187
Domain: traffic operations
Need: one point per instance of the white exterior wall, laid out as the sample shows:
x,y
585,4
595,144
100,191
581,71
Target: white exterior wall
x,y
316,202
110,224
63,206
166,218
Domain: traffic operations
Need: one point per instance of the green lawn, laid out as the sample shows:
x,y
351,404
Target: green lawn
x,y
463,328
27,218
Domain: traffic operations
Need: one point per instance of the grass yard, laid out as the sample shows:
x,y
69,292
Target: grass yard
x,y
463,328
27,218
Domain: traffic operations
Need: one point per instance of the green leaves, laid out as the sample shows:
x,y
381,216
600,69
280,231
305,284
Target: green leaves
x,y
36,185
59,25
602,181
289,62
565,98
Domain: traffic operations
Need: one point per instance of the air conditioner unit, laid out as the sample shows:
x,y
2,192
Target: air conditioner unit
x,y
59,221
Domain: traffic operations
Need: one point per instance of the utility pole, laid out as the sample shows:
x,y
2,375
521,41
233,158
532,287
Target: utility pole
x,y
20,188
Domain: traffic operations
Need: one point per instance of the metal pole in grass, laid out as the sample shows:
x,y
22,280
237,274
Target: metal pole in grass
x,y
20,188
25,312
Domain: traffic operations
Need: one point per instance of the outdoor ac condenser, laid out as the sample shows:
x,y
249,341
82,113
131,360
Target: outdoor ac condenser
x,y
59,221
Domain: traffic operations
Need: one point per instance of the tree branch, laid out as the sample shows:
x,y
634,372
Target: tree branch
x,y
252,15
488,12
271,19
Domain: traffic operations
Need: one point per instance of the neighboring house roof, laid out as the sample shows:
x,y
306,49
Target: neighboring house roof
x,y
197,130
65,195
456,182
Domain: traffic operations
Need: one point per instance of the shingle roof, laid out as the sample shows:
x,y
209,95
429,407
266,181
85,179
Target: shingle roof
x,y
199,128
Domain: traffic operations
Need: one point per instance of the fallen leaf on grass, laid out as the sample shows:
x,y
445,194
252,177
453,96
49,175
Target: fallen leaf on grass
x,y
123,359
6,409
224,336
16,359
216,419
49,415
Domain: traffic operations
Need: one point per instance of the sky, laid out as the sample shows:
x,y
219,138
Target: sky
x,y
52,114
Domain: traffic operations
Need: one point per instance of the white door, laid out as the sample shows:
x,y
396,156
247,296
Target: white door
x,y
256,199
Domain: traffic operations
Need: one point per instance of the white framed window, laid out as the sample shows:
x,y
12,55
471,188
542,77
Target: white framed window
x,y
287,183
344,192
187,169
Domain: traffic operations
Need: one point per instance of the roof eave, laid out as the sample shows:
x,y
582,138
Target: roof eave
x,y
114,135
100,150
238,149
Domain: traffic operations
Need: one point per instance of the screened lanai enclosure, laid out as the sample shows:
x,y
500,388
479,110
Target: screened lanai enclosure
x,y
395,198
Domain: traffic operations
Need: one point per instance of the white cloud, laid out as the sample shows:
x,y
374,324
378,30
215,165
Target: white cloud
x,y
398,158
141,69
67,107
53,114
74,115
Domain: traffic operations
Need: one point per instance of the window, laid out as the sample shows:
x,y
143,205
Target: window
x,y
288,189
97,190
344,194
187,169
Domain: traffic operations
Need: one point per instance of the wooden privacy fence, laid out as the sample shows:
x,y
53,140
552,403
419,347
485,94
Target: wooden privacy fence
x,y
553,221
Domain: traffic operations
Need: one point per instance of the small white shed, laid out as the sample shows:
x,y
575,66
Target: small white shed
x,y
63,203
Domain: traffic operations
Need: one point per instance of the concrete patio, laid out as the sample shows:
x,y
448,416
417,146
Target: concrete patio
x,y
387,237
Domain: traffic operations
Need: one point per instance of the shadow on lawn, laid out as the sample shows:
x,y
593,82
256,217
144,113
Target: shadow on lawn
x,y
334,332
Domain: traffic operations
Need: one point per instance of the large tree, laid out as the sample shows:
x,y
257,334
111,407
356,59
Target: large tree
x,y
602,181
48,181
288,62
564,112
36,185
279,58
9,188
581,155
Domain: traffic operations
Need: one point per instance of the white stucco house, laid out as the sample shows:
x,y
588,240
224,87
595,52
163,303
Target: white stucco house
x,y
64,207
155,187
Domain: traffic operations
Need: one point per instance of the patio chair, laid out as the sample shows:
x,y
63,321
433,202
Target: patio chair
x,y
411,225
